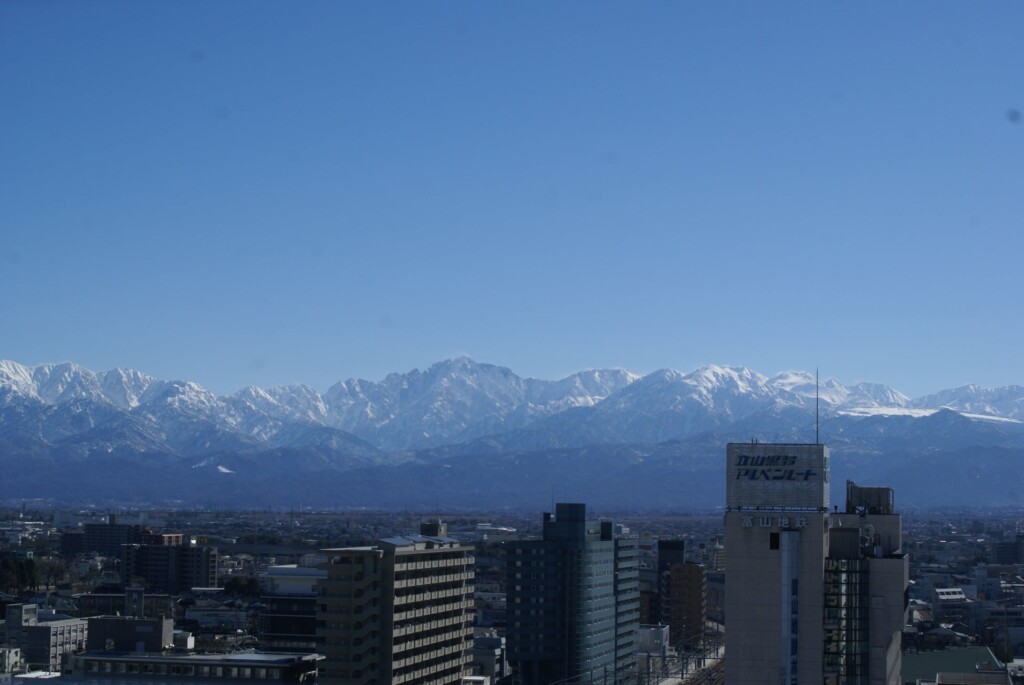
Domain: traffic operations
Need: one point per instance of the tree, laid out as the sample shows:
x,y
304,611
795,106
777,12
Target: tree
x,y
242,586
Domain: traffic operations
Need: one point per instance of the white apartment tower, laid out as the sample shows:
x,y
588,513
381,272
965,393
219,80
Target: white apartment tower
x,y
811,596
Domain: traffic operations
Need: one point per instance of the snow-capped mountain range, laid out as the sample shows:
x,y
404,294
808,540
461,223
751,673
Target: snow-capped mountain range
x,y
451,402
62,414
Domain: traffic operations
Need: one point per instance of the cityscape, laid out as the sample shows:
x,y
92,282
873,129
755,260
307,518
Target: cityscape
x,y
511,342
784,586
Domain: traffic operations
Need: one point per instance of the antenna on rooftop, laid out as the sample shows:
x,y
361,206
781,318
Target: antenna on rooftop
x,y
817,436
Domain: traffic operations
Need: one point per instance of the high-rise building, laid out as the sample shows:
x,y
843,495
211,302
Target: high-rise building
x,y
810,596
169,565
573,602
866,579
650,611
108,538
684,607
398,612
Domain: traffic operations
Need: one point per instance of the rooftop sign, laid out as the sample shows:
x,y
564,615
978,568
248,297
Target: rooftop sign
x,y
771,476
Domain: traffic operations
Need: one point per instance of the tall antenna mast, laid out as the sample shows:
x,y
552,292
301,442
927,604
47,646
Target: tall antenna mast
x,y
817,435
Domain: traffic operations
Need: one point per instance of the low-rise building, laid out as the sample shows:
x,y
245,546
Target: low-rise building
x,y
129,634
43,643
248,666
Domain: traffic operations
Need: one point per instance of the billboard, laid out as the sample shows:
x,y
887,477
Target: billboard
x,y
776,476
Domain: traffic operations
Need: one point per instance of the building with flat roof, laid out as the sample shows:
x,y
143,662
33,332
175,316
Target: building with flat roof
x,y
684,604
108,538
573,602
43,643
170,565
134,601
288,620
811,596
399,612
246,666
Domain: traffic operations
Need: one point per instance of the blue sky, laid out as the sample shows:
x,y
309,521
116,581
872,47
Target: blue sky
x,y
266,193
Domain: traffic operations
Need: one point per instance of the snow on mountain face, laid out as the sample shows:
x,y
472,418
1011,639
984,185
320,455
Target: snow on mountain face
x,y
583,389
56,383
450,402
458,400
875,395
1006,402
125,387
667,404
301,401
16,378
803,386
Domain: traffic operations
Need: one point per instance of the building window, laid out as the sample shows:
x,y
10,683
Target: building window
x,y
773,541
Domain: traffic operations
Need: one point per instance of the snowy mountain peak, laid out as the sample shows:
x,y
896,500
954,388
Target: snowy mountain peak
x,y
803,386
16,377
125,387
66,381
739,378
452,401
876,394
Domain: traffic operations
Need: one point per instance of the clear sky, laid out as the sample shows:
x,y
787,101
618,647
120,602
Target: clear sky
x,y
269,192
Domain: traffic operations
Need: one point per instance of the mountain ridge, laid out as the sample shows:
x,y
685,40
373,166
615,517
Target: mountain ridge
x,y
58,421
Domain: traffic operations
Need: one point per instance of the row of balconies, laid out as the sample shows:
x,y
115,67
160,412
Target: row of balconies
x,y
439,653
430,610
401,566
429,578
444,672
458,591
441,637
447,622
421,590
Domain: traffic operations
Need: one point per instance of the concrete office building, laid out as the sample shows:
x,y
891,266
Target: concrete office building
x,y
134,601
288,620
573,602
398,612
129,634
866,579
811,596
43,641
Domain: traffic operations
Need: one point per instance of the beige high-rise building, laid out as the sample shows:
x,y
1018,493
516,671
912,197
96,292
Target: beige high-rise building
x,y
811,596
398,612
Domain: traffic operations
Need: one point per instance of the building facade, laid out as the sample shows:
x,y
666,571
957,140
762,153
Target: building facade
x,y
129,634
684,608
866,578
43,643
108,538
170,565
133,602
573,602
136,667
288,620
805,601
399,612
